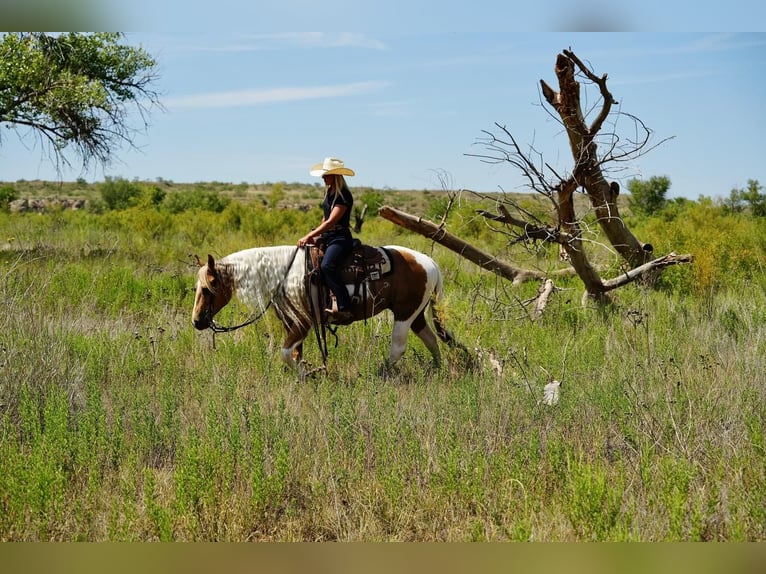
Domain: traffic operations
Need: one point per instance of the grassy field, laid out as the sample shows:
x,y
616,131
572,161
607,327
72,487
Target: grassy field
x,y
119,421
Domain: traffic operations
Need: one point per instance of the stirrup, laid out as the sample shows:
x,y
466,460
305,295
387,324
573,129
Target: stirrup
x,y
338,317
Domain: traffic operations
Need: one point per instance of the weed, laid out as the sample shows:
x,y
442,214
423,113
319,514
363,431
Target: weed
x,y
120,422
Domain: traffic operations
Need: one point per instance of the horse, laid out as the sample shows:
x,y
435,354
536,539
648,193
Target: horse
x,y
275,276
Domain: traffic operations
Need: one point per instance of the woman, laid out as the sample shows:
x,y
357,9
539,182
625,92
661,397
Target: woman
x,y
335,230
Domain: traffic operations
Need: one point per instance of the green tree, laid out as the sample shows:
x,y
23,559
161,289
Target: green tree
x,y
8,194
119,193
74,91
750,197
648,197
179,201
276,194
373,199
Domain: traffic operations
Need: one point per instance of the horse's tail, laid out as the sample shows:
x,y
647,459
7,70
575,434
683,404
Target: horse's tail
x,y
436,314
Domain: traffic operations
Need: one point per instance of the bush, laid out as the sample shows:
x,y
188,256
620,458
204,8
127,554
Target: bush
x,y
119,193
8,194
373,199
179,201
648,197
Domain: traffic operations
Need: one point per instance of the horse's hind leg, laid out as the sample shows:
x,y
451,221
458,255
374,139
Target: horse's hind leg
x,y
398,341
425,333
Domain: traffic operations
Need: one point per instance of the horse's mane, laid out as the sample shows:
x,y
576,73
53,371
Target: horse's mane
x,y
268,275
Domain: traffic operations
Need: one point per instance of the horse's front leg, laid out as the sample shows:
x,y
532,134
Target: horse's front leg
x,y
292,346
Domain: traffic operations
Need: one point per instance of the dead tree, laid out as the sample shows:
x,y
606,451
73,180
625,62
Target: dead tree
x,y
439,234
588,174
359,218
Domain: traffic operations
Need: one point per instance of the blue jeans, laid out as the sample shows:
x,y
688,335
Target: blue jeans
x,y
336,250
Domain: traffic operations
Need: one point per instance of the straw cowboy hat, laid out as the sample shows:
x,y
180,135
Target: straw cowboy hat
x,y
330,166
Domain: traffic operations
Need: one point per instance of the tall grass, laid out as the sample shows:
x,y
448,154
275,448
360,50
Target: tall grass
x,y
118,421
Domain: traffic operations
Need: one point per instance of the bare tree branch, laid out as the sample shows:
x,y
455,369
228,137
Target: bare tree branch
x,y
439,234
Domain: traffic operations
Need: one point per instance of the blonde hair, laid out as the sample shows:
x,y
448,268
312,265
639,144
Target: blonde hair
x,y
338,184
337,181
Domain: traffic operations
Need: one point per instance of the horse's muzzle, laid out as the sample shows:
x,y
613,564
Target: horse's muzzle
x,y
202,322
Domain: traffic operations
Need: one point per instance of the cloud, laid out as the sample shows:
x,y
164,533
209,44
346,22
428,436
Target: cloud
x,y
242,43
258,97
322,40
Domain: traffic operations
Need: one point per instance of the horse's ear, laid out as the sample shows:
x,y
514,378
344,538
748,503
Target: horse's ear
x,y
210,262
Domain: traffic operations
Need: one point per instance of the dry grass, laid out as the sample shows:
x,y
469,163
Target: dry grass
x,y
119,422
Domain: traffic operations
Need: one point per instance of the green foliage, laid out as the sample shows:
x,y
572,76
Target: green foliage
x,y
677,477
119,193
124,423
750,198
8,194
727,249
153,195
372,199
73,88
276,194
178,201
648,197
267,226
596,498
437,209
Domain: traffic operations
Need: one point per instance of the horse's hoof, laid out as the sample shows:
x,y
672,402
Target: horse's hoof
x,y
305,372
386,370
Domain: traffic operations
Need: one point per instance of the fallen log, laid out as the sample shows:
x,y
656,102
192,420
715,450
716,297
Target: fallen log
x,y
443,237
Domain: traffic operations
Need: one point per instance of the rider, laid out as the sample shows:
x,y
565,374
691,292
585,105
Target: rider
x,y
335,230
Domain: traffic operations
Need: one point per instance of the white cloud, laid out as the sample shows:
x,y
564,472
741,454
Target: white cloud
x,y
257,97
322,39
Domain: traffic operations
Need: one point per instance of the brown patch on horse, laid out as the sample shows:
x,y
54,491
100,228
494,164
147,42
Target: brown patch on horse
x,y
409,289
402,292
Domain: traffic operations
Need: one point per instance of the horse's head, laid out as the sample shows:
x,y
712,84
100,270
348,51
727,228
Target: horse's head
x,y
213,292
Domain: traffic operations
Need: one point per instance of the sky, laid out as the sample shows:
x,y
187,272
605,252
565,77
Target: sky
x,y
408,107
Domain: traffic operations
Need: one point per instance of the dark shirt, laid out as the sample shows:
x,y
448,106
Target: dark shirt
x,y
343,198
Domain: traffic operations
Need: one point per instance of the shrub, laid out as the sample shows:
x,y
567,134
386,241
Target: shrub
x,y
119,193
8,194
179,201
373,199
648,197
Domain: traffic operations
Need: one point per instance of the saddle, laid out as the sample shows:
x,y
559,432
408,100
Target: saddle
x,y
365,263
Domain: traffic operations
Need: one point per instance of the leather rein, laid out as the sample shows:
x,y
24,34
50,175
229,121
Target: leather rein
x,y
216,328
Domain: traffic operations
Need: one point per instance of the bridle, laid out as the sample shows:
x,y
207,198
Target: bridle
x,y
216,328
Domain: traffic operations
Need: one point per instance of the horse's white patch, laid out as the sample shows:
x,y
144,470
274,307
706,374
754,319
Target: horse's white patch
x,y
269,276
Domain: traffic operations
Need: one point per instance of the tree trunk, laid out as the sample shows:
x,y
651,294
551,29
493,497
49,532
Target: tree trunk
x,y
587,171
440,235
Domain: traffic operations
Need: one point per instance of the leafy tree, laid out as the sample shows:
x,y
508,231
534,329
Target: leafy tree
x,y
740,199
276,194
74,90
179,201
119,193
8,194
373,199
648,197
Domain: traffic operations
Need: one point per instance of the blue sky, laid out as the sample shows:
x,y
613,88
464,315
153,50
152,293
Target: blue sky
x,y
404,108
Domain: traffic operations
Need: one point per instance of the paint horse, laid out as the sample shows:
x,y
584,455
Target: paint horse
x,y
275,277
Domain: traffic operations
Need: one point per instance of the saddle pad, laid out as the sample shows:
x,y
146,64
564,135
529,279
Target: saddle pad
x,y
377,262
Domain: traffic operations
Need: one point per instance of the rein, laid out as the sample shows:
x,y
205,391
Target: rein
x,y
216,328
